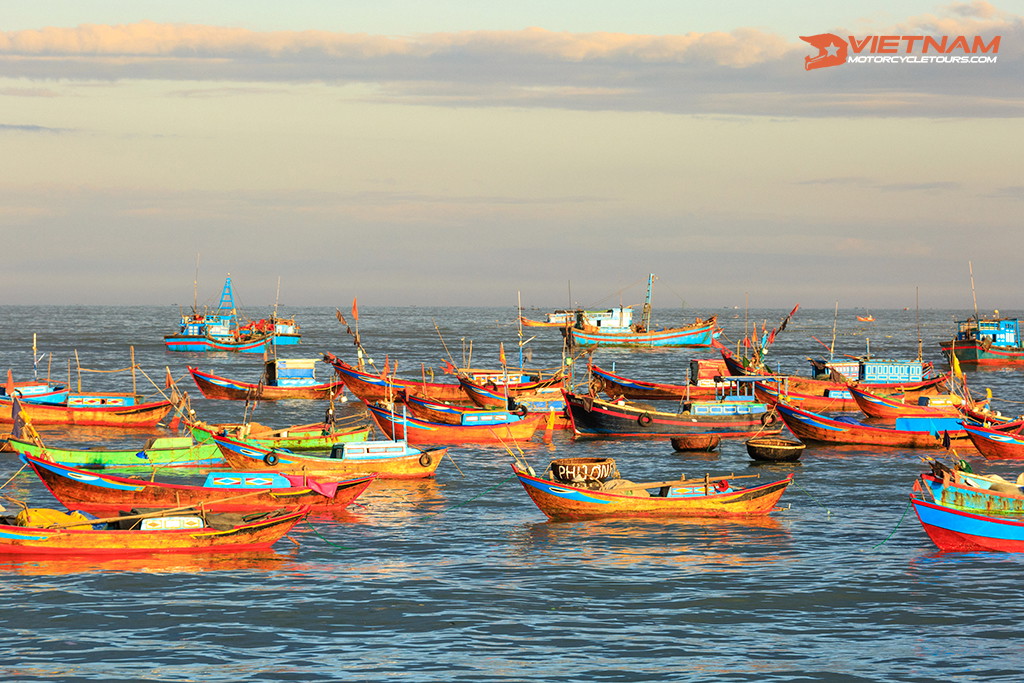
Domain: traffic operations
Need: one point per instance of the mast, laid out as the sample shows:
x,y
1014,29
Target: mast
x,y
832,349
646,317
974,296
920,341
195,286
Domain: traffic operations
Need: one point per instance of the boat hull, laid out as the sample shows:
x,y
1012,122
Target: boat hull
x,y
297,438
698,335
954,530
636,390
221,388
975,353
994,444
561,501
809,426
205,343
426,432
263,533
196,455
139,415
369,387
409,463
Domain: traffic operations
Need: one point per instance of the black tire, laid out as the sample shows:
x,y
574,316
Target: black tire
x,y
491,386
770,419
271,459
521,410
644,419
426,460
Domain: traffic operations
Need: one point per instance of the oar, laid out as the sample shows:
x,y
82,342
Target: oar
x,y
158,513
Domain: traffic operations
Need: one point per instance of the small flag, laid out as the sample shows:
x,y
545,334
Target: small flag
x,y
355,310
501,352
10,383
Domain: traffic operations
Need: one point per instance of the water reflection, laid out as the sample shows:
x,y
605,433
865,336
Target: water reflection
x,y
149,563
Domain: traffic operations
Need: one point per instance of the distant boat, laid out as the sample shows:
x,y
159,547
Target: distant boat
x,y
615,327
866,318
221,330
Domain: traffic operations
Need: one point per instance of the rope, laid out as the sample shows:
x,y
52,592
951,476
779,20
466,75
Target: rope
x,y
470,500
827,511
895,527
4,485
313,529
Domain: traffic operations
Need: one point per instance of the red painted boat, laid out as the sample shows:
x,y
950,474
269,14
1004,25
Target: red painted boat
x,y
448,413
909,432
616,386
372,387
104,494
92,409
900,405
997,444
216,387
416,431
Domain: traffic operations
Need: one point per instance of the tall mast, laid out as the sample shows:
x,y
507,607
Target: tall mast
x,y
646,317
974,296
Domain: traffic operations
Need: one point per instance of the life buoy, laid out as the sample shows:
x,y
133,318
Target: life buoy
x,y
644,419
425,460
271,459
722,486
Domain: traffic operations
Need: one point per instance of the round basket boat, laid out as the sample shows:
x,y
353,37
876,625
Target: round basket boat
x,y
570,470
775,449
696,442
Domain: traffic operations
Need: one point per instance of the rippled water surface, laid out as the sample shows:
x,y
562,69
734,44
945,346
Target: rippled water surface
x,y
462,579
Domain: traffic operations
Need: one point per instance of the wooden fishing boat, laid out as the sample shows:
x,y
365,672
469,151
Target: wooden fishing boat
x,y
961,490
318,436
955,530
527,322
183,532
866,318
900,405
909,432
704,497
592,416
90,409
159,451
774,449
104,494
284,378
372,387
449,413
386,459
701,387
34,391
996,443
615,327
547,400
396,425
986,341
221,330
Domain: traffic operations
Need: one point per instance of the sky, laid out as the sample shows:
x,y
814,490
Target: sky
x,y
471,153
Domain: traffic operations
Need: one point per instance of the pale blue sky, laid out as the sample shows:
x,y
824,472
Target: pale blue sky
x,y
456,152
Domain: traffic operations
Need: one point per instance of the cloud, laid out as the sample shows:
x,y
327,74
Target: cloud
x,y
744,71
29,128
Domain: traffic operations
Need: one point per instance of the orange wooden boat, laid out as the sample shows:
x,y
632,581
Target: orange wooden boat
x,y
103,494
416,431
386,459
900,405
182,532
367,386
909,432
92,409
706,497
222,388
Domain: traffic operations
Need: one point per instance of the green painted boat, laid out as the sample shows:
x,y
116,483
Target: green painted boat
x,y
175,451
309,437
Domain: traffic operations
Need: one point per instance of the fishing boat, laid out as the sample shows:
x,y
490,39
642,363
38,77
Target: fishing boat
x,y
164,451
104,494
774,449
370,387
318,436
221,329
547,400
449,413
908,432
703,384
866,318
735,415
565,499
386,459
94,409
559,318
986,341
616,328
397,424
956,488
283,378
34,391
900,405
171,532
999,443
955,530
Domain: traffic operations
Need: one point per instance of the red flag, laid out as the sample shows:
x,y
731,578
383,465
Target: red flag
x,y
355,310
448,368
501,352
384,372
10,383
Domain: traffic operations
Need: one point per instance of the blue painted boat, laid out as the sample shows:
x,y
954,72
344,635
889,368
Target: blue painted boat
x,y
953,530
615,327
977,493
221,330
986,341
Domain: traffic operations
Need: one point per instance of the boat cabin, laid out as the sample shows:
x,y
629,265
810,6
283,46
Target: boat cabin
x,y
369,450
872,371
291,372
998,331
619,319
